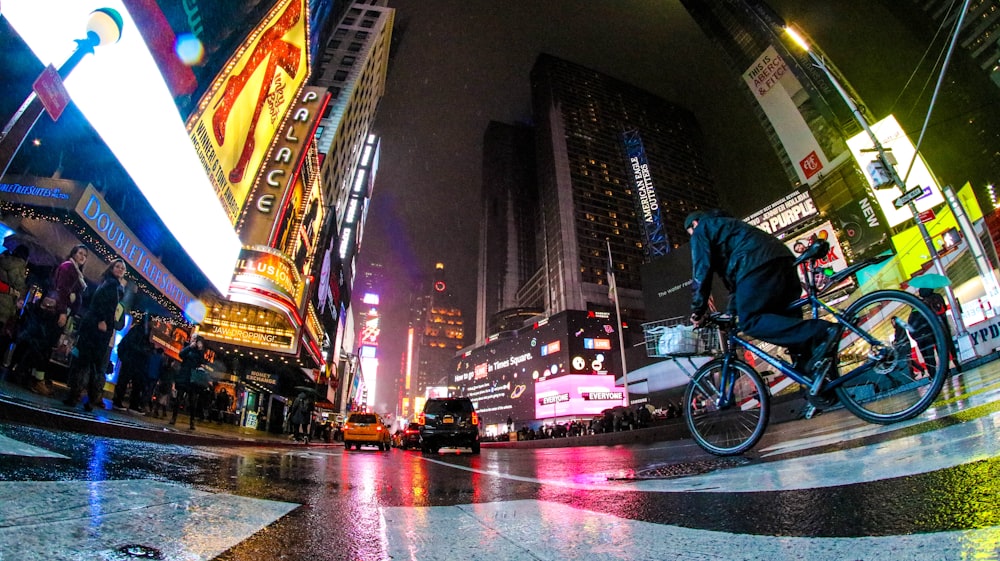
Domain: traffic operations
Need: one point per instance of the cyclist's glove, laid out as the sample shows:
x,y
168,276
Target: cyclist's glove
x,y
697,318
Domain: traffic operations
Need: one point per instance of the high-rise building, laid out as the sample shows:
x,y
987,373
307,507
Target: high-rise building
x,y
508,252
806,122
438,333
352,67
613,160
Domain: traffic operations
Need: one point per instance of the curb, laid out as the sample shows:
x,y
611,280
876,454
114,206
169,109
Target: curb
x,y
98,423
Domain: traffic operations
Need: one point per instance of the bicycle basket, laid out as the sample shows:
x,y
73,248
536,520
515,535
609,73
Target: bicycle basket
x,y
670,338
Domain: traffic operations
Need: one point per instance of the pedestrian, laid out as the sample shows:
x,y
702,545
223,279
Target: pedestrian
x,y
154,367
13,277
192,356
163,395
299,416
759,272
221,404
35,340
96,330
133,353
68,284
937,305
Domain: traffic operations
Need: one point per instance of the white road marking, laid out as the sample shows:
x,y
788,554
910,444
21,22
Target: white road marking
x,y
529,530
84,520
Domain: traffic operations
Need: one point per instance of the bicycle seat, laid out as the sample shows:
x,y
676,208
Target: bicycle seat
x,y
723,320
817,249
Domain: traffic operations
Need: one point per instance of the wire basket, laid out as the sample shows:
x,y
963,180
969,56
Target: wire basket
x,y
671,338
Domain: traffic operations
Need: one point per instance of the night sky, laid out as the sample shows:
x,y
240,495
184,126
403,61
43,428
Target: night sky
x,y
459,64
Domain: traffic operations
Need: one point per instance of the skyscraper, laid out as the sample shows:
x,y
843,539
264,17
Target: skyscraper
x,y
507,237
596,190
438,334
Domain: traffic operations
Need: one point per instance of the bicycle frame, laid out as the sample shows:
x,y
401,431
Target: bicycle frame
x,y
817,384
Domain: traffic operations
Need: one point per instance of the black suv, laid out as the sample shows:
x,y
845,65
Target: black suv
x,y
449,422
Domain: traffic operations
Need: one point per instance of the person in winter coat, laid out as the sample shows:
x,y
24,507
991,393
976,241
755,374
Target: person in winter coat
x,y
38,335
937,305
68,284
13,275
192,356
760,273
299,416
96,329
133,351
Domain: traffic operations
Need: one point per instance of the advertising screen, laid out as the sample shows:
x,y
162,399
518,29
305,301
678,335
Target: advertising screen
x,y
577,394
238,117
503,376
191,40
781,96
894,140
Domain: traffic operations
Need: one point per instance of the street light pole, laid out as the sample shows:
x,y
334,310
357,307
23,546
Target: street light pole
x,y
888,165
103,28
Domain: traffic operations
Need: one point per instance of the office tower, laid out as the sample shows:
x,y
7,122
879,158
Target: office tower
x,y
438,335
589,164
963,139
352,66
507,237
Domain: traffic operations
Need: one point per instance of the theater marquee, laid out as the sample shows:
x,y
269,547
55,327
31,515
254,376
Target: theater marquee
x,y
237,119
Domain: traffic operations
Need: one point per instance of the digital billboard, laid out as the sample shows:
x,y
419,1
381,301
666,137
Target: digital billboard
x,y
134,113
780,94
238,117
503,376
647,204
894,140
577,394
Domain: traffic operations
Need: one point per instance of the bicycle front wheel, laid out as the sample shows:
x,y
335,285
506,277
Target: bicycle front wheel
x,y
726,413
902,359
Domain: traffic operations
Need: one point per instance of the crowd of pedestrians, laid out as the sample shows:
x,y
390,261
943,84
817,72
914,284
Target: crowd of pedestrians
x,y
70,322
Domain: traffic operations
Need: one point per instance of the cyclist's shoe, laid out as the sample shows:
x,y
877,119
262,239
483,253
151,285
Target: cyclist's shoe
x,y
819,360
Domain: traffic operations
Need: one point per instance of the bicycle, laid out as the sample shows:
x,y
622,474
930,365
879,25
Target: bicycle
x,y
889,365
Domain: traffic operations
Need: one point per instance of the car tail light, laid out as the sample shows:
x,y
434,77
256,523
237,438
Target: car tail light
x,y
475,418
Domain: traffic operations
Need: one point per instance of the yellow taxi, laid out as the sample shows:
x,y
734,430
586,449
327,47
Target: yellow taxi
x,y
365,429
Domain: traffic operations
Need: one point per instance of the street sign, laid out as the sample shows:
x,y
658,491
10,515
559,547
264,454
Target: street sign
x,y
51,92
927,215
910,195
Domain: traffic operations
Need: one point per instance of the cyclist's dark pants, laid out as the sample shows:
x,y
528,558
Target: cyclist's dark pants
x,y
762,299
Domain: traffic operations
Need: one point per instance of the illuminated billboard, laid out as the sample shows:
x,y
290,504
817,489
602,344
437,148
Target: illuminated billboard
x,y
895,141
192,40
238,117
577,395
647,204
134,113
783,99
502,377
287,193
784,214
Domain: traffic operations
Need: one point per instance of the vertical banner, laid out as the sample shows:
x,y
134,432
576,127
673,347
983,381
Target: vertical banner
x,y
776,89
235,123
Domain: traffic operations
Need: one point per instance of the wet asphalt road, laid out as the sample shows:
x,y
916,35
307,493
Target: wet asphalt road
x,y
338,500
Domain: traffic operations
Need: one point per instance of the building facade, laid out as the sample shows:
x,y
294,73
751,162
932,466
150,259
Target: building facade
x,y
596,191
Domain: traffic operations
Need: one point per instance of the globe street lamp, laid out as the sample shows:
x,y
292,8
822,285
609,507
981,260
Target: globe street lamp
x,y
103,28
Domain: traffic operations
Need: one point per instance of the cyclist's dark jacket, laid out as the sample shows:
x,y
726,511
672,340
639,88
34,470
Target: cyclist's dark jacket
x,y
730,248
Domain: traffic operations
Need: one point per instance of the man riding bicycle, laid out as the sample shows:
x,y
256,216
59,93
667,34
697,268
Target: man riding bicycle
x,y
760,274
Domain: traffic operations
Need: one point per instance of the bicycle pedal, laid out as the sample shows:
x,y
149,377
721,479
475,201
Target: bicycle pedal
x,y
809,411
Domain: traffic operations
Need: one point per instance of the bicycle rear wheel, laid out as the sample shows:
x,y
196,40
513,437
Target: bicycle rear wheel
x,y
731,427
902,374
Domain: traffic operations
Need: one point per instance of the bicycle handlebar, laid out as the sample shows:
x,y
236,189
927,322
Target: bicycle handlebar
x,y
817,249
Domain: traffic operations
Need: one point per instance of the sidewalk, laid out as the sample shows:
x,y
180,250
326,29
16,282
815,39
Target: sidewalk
x,y
19,405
